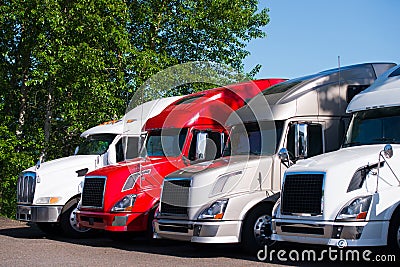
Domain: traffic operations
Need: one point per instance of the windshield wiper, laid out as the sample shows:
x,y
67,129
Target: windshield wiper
x,y
385,139
351,144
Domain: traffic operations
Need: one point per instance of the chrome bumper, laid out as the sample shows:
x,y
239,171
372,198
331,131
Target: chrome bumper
x,y
38,213
319,230
199,232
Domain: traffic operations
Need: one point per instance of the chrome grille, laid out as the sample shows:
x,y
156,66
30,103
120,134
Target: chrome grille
x,y
174,198
302,193
93,192
26,187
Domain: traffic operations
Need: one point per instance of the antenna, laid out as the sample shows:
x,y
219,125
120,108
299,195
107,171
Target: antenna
x,y
338,62
338,59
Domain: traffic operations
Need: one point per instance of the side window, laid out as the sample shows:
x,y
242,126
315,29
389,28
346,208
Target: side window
x,y
206,145
290,141
119,149
308,141
214,146
315,140
132,147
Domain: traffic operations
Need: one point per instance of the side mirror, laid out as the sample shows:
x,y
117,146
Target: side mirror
x,y
300,148
283,154
76,150
388,151
141,141
112,155
40,160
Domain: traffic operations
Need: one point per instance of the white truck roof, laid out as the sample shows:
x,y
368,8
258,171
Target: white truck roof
x,y
134,119
384,92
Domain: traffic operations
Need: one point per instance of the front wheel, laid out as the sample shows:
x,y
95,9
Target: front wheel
x,y
394,233
69,224
257,229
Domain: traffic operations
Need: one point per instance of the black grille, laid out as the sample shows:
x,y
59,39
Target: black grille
x,y
302,193
174,197
93,191
26,187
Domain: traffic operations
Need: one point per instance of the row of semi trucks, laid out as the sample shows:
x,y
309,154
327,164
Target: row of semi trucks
x,y
245,163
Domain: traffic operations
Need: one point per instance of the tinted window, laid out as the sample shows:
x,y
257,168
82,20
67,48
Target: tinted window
x,y
254,139
395,73
167,142
281,87
315,140
95,144
377,126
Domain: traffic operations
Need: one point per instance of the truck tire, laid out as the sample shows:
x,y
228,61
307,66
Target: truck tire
x,y
150,228
394,233
49,228
257,229
69,225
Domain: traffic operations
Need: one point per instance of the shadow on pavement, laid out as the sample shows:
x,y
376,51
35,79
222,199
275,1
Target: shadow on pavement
x,y
281,253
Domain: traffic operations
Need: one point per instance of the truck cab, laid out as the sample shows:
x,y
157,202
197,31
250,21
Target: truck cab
x,y
123,197
350,197
230,200
48,193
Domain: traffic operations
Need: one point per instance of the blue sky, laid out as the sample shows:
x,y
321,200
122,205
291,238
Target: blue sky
x,y
304,37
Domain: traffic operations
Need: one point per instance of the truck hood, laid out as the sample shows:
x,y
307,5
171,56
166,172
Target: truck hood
x,y
63,165
224,177
141,176
350,156
339,168
60,177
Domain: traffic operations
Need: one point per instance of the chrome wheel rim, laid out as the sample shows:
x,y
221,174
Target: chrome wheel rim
x,y
74,222
263,230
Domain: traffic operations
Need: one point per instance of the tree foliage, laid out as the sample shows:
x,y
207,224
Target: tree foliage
x,y
66,66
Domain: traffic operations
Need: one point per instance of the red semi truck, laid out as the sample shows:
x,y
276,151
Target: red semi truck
x,y
124,196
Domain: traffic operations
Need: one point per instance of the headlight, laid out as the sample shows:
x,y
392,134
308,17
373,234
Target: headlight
x,y
357,209
130,181
48,200
125,204
215,211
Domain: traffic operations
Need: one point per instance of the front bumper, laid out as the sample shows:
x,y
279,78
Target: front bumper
x,y
362,233
198,231
115,222
30,213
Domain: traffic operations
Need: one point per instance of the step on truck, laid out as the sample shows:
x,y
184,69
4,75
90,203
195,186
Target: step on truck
x,y
48,193
230,200
122,198
350,197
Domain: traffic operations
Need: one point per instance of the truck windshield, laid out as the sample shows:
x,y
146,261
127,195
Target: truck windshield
x,y
167,142
376,126
254,138
95,144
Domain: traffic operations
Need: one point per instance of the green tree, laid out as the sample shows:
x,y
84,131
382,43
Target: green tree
x,y
66,66
179,31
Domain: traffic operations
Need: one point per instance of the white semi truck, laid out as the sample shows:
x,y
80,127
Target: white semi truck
x,y
350,197
230,200
48,193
